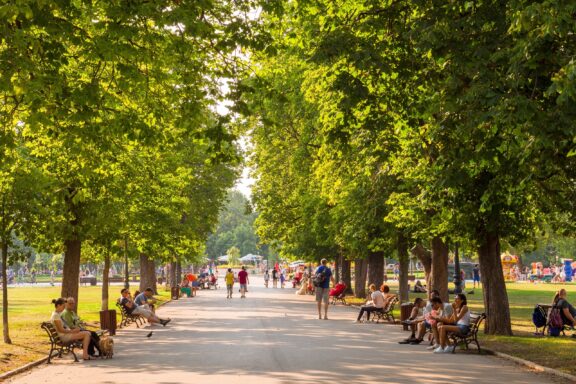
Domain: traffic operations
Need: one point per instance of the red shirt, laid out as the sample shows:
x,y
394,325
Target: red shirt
x,y
242,277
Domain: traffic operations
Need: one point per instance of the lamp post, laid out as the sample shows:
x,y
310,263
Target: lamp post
x,y
457,276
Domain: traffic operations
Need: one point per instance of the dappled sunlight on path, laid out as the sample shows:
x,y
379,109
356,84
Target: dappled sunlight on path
x,y
272,336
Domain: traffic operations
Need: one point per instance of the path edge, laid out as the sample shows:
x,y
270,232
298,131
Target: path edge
x,y
27,367
531,365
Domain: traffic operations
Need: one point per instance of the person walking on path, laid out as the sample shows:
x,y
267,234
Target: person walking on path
x,y
275,278
266,278
229,282
322,278
243,280
476,275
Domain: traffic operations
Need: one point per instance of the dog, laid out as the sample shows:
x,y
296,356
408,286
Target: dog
x,y
106,346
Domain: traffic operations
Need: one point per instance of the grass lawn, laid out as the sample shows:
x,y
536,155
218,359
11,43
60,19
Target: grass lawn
x,y
29,306
553,352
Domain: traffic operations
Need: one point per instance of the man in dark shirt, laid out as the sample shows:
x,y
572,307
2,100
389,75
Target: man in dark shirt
x,y
142,310
567,311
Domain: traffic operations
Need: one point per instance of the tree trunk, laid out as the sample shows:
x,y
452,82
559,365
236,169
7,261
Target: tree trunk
x,y
425,257
360,272
346,275
126,267
439,269
178,272
337,268
147,273
5,328
404,261
105,280
376,268
71,272
173,281
494,287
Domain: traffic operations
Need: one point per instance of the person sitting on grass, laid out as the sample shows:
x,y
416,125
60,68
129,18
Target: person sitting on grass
x,y
458,322
416,317
67,334
567,311
142,310
419,288
376,304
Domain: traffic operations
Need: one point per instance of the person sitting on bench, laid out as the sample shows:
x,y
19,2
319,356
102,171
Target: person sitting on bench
x,y
376,304
185,287
386,293
458,322
67,334
146,298
567,311
142,310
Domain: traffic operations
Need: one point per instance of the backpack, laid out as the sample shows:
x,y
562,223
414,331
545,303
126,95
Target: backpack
x,y
539,317
555,318
319,278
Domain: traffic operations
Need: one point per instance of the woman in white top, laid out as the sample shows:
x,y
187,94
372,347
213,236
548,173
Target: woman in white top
x,y
377,304
66,334
459,322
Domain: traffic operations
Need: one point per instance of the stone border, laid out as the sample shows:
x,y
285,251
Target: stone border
x,y
36,363
21,369
531,365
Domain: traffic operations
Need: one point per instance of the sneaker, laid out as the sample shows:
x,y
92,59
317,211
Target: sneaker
x,y
414,341
432,347
439,350
449,348
164,322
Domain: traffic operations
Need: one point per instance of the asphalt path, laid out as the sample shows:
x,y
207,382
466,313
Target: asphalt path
x,y
272,336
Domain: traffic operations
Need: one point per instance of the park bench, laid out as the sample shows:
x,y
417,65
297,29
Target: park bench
x,y
129,318
472,335
57,345
386,312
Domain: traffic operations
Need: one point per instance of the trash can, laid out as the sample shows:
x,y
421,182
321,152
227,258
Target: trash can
x,y
108,321
405,311
175,292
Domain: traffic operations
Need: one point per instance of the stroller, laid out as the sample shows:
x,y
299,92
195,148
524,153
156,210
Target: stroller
x,y
337,294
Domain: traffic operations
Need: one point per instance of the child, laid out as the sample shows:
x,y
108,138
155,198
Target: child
x,y
229,282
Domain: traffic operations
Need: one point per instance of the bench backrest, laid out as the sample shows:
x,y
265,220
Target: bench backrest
x,y
122,308
390,306
51,331
476,320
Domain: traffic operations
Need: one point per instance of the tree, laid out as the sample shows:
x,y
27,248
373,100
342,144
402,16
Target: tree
x,y
233,256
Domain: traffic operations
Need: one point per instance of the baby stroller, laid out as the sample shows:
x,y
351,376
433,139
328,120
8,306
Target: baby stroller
x,y
337,294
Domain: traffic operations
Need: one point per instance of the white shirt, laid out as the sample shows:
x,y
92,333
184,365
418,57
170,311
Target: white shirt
x,y
377,299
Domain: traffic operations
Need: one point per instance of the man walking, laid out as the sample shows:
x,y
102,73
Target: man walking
x,y
322,278
229,282
243,280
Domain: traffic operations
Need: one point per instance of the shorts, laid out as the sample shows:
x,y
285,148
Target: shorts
x,y
322,294
143,310
229,286
463,329
427,325
245,286
65,337
195,283
476,279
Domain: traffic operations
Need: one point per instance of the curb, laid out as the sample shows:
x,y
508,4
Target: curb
x,y
531,365
36,363
23,368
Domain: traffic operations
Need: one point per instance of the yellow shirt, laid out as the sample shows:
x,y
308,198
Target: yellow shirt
x,y
229,278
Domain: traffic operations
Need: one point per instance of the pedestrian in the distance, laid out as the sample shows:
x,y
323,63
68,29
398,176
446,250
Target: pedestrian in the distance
x,y
282,279
322,278
266,278
229,282
275,278
476,275
243,280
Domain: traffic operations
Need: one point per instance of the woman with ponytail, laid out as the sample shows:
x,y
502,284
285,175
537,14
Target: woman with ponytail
x,y
66,334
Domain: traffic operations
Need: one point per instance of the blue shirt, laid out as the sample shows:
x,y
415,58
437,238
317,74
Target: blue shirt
x,y
140,299
327,273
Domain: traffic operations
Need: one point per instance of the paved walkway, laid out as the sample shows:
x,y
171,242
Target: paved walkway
x,y
273,336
